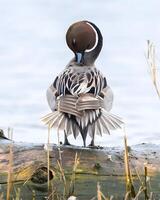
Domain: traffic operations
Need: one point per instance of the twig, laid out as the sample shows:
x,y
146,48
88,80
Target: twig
x,y
48,160
145,183
129,182
10,171
98,192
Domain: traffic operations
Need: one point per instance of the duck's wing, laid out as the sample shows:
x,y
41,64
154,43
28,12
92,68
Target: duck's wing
x,y
51,97
108,98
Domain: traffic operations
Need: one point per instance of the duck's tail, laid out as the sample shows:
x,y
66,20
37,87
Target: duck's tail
x,y
60,121
102,123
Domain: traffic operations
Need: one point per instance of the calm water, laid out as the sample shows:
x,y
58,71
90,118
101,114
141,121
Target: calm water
x,y
33,51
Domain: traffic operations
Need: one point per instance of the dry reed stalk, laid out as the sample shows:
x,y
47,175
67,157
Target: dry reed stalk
x,y
141,189
59,149
18,192
139,178
151,60
72,182
151,196
99,197
33,195
10,172
1,196
50,196
63,178
127,195
68,187
60,166
48,160
129,181
145,183
10,133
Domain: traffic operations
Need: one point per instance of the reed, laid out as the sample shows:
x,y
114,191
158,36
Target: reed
x,y
68,182
1,196
68,187
73,176
10,166
99,196
130,191
151,60
33,195
10,133
17,193
48,159
145,183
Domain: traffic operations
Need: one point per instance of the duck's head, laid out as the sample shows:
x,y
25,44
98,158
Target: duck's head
x,y
85,40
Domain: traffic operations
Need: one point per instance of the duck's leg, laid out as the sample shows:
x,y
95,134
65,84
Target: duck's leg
x,y
92,144
66,142
84,135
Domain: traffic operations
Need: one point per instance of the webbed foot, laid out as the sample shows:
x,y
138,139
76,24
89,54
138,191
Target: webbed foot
x,y
93,146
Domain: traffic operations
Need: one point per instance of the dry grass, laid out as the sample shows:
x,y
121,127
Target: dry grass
x,y
68,183
69,187
130,191
10,166
151,60
10,133
48,159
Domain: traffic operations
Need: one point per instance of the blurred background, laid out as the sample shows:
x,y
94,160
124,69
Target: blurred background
x,y
33,51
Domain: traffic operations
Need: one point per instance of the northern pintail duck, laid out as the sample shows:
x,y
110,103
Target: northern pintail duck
x,y
80,98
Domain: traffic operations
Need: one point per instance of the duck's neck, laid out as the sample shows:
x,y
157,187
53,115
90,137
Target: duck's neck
x,y
91,56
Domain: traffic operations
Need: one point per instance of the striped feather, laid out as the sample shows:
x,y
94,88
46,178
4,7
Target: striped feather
x,y
61,123
99,127
79,80
107,124
49,118
75,130
113,119
69,128
55,121
104,124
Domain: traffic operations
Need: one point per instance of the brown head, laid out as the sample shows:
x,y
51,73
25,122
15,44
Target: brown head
x,y
85,40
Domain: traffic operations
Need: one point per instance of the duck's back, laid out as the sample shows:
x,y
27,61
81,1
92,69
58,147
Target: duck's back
x,y
77,80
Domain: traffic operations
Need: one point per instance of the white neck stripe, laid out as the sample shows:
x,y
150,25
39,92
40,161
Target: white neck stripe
x,y
96,38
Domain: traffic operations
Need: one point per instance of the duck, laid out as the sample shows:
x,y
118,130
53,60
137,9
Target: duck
x,y
80,97
2,136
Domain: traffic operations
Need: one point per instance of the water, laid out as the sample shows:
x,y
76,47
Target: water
x,y
33,51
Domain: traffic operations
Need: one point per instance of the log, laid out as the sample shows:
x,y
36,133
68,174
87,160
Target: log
x,y
27,163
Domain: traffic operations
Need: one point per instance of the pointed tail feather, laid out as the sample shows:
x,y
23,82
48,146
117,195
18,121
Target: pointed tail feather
x,y
60,121
49,117
106,122
110,120
53,119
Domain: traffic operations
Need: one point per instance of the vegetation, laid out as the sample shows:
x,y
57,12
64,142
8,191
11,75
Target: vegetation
x,y
62,186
